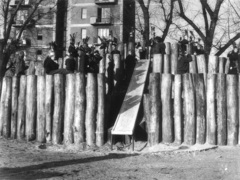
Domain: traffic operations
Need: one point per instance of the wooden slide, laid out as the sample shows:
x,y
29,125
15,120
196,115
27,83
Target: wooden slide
x,y
126,120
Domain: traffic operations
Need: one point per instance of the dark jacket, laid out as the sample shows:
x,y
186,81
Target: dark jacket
x,y
49,65
183,64
233,58
70,64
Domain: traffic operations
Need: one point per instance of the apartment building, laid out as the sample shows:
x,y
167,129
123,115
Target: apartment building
x,y
55,20
95,18
39,32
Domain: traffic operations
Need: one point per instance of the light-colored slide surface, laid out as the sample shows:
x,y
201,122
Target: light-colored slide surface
x,y
127,116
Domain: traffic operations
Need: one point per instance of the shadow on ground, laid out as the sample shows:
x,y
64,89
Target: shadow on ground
x,y
34,171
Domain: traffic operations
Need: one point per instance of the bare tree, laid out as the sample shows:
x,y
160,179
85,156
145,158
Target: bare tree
x,y
211,18
154,13
10,44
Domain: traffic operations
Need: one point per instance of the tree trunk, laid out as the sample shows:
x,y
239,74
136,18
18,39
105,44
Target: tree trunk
x,y
167,118
90,123
178,119
190,119
200,108
80,109
69,109
49,106
5,111
155,119
58,114
211,110
232,110
221,110
101,110
41,118
21,114
31,107
15,90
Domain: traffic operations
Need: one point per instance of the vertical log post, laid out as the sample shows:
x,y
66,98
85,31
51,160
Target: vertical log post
x,y
49,106
211,110
222,62
168,48
100,110
102,64
69,109
232,110
41,118
238,108
178,120
5,111
166,64
174,58
90,123
227,65
15,90
167,118
153,134
221,110
202,66
193,65
200,108
213,64
80,110
190,120
117,70
21,114
31,69
31,107
157,63
125,50
147,110
58,114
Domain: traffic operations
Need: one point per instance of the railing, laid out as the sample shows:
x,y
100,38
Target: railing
x,y
101,21
105,1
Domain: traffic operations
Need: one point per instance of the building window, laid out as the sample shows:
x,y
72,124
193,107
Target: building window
x,y
84,13
83,33
39,35
104,32
39,52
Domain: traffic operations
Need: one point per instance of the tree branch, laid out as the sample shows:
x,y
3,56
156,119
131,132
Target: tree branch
x,y
207,7
190,22
28,19
230,42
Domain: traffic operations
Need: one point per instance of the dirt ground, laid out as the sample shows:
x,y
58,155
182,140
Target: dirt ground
x,y
21,160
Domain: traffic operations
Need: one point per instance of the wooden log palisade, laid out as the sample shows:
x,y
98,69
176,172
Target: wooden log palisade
x,y
72,108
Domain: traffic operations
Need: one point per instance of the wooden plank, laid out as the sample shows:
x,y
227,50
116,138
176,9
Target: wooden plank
x,y
126,119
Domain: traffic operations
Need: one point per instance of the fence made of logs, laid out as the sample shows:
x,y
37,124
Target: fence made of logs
x,y
54,108
181,109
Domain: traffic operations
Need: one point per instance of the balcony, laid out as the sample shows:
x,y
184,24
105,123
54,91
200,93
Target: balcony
x,y
19,23
105,2
25,4
101,21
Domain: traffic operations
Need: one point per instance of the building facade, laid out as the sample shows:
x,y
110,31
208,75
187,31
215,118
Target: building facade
x,y
55,20
39,32
95,18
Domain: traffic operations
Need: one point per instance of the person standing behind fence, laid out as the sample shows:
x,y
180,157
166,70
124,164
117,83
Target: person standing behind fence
x,y
20,66
130,63
49,65
70,64
183,63
233,58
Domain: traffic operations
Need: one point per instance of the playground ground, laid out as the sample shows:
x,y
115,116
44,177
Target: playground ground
x,y
25,161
